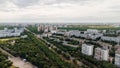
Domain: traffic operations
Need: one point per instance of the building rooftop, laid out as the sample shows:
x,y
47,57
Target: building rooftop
x,y
89,44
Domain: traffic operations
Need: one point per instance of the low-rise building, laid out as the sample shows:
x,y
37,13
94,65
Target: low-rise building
x,y
91,36
83,35
47,34
118,32
53,31
94,36
24,36
74,33
11,32
92,31
87,49
107,38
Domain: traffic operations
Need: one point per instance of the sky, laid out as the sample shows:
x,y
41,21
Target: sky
x,y
75,11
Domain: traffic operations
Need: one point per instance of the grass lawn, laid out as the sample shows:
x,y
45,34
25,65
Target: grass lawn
x,y
4,40
84,28
7,39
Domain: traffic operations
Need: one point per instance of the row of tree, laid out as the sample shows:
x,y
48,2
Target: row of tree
x,y
4,62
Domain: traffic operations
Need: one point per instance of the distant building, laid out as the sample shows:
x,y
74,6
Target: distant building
x,y
92,31
67,34
53,29
104,31
107,38
61,32
101,54
47,34
91,36
117,57
5,29
83,35
118,32
74,33
94,36
11,32
47,28
87,49
116,25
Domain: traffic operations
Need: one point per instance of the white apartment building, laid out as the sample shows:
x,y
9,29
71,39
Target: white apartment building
x,y
107,38
101,54
24,36
87,49
118,31
53,29
47,34
117,58
74,33
11,32
92,31
83,35
91,36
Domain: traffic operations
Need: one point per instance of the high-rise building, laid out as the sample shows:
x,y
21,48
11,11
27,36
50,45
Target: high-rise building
x,y
47,28
87,49
101,54
41,28
117,57
15,29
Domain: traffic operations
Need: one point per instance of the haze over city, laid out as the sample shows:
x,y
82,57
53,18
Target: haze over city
x,y
61,11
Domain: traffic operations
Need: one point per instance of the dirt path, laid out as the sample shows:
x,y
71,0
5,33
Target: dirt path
x,y
18,62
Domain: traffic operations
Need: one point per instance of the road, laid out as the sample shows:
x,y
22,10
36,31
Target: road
x,y
5,52
66,44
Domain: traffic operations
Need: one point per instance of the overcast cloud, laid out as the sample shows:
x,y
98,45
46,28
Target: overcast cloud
x,y
59,10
